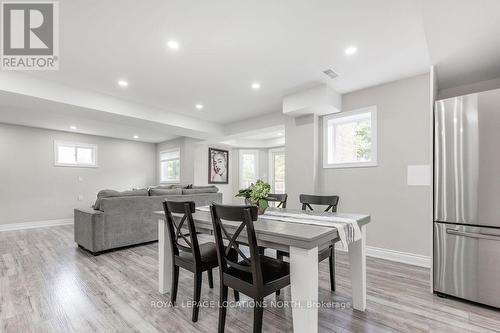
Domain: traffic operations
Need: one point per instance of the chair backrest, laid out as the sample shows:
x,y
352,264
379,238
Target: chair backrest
x,y
281,198
189,240
228,253
324,200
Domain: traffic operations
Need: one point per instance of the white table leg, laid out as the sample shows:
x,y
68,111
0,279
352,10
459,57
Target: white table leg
x,y
165,267
304,285
357,260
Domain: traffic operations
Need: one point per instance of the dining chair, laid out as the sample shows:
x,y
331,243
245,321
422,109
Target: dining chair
x,y
280,198
187,252
254,275
331,201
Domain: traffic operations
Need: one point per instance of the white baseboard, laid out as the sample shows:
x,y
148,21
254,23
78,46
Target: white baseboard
x,y
403,257
34,224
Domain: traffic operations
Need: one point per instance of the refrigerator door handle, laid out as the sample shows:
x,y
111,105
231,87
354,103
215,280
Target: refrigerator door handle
x,y
473,234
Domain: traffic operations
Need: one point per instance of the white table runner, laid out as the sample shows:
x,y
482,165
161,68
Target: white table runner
x,y
348,229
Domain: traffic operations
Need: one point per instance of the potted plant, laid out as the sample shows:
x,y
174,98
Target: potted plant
x,y
256,195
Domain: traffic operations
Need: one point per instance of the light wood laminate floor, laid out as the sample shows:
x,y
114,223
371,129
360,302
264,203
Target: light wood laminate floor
x,y
47,284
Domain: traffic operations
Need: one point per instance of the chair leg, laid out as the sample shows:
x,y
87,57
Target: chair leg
x,y
210,279
197,293
222,307
175,283
258,314
331,260
236,295
279,256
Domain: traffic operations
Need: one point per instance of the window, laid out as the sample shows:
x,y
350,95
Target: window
x,y
170,166
249,167
277,170
75,154
350,139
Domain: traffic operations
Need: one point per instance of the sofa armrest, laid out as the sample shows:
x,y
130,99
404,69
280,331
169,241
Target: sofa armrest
x,y
88,228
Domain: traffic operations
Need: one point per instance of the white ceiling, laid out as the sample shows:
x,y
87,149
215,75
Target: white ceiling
x,y
225,45
35,112
273,136
463,39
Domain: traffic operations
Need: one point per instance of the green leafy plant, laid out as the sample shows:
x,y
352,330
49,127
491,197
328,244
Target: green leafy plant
x,y
256,194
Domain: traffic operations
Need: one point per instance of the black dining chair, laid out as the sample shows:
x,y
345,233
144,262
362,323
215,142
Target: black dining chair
x,y
255,275
187,252
280,198
331,201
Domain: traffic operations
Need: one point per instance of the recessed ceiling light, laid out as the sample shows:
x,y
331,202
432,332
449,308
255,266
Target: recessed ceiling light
x,y
280,134
136,137
73,127
256,85
173,44
199,106
123,83
351,50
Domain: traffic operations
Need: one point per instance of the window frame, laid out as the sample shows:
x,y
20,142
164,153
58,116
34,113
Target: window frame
x,y
272,152
75,145
255,152
171,150
374,151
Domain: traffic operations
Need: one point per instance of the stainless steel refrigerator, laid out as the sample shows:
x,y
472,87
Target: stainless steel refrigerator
x,y
467,197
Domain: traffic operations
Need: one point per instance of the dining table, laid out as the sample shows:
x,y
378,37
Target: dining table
x,y
302,241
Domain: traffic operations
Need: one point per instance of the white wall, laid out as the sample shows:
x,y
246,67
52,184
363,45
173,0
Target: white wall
x,y
301,161
187,166
194,164
33,189
200,154
400,213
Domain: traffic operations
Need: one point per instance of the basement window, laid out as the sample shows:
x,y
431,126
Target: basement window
x,y
350,139
170,166
74,154
249,167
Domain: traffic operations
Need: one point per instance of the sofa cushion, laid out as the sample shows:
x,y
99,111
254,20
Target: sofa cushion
x,y
159,191
196,187
200,189
167,187
161,187
113,193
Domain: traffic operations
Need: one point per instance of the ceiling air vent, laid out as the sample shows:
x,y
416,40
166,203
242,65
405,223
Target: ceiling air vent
x,y
331,74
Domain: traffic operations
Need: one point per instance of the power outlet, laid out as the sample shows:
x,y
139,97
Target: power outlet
x,y
80,197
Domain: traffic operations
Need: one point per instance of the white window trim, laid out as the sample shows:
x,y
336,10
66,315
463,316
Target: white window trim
x,y
171,150
373,162
76,145
240,165
271,165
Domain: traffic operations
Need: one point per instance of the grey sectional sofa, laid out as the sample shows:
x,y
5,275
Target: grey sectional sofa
x,y
126,218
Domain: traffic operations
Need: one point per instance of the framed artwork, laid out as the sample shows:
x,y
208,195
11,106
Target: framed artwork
x,y
218,166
